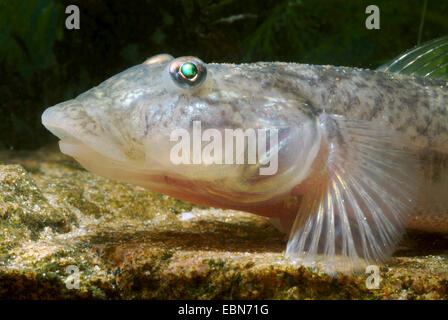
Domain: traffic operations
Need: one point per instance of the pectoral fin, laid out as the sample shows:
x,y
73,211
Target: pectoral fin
x,y
354,208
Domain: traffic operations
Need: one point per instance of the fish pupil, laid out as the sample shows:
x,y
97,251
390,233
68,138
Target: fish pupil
x,y
188,70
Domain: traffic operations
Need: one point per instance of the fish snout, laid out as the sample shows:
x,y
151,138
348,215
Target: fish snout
x,y
57,119
77,130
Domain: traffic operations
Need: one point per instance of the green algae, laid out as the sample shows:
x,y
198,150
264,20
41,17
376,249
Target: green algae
x,y
130,243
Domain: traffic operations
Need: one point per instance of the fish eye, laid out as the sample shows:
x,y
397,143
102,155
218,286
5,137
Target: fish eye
x,y
187,72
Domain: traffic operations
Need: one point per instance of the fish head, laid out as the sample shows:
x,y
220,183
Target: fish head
x,y
133,126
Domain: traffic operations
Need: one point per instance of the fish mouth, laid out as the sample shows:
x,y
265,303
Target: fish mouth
x,y
54,120
76,129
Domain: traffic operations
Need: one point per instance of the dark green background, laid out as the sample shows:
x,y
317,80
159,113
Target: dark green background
x,y
42,63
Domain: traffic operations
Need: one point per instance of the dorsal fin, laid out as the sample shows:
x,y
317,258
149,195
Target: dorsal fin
x,y
427,60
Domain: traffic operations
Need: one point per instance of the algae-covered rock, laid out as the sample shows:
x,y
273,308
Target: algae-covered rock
x,y
66,233
24,211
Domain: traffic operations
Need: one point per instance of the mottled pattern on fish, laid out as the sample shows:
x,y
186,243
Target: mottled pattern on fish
x,y
416,106
413,105
359,151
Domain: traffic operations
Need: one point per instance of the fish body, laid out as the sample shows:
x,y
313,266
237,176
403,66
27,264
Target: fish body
x,y
356,152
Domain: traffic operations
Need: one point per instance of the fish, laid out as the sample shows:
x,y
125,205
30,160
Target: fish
x,y
355,156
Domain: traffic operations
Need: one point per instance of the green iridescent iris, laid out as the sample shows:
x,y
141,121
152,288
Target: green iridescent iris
x,y
189,70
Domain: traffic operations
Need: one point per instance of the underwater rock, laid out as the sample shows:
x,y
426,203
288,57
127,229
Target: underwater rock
x,y
66,233
24,212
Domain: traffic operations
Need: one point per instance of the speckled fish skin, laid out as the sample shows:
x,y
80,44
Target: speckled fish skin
x,y
415,106
344,133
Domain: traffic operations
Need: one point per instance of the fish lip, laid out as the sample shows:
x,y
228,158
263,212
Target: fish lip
x,y
66,120
51,120
57,131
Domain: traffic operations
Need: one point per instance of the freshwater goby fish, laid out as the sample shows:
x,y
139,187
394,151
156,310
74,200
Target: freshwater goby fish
x,y
358,152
